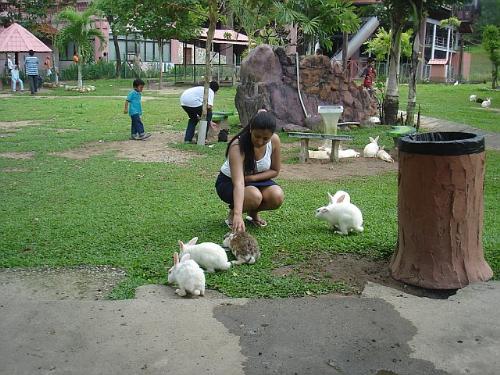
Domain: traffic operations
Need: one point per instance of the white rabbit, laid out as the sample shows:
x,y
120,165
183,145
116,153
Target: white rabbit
x,y
371,149
472,98
486,103
188,275
346,198
349,153
208,255
341,215
383,155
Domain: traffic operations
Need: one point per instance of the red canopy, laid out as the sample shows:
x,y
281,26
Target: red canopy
x,y
16,38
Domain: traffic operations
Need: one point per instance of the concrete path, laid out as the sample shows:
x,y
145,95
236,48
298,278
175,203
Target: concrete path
x,y
433,124
383,332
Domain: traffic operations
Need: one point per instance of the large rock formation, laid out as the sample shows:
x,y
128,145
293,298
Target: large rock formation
x,y
269,80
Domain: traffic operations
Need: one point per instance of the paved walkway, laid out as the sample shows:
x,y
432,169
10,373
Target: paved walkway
x,y
386,331
433,124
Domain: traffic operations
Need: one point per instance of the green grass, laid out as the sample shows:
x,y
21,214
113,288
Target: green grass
x,y
102,210
452,103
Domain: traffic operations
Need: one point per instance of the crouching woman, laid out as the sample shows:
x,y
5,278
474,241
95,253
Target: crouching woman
x,y
245,180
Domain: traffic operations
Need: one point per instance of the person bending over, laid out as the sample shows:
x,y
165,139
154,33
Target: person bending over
x,y
192,103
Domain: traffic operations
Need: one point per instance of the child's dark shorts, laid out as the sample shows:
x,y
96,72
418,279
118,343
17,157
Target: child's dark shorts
x,y
224,187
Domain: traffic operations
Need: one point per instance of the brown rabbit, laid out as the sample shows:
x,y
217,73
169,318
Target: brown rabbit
x,y
243,246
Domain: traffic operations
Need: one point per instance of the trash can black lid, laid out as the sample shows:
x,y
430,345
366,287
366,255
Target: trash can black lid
x,y
442,143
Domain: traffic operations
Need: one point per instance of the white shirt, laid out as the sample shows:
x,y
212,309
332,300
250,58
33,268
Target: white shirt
x,y
10,64
193,97
262,165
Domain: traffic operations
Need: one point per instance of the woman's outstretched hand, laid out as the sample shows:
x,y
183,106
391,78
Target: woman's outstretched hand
x,y
238,224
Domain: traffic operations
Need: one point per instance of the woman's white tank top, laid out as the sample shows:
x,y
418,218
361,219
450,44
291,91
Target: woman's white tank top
x,y
262,165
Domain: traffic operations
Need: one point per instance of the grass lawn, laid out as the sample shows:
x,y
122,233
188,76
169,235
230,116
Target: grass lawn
x,y
107,211
452,103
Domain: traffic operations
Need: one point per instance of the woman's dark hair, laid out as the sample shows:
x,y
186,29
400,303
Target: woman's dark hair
x,y
262,120
31,52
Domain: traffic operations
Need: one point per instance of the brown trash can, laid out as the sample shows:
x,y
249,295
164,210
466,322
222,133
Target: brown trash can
x,y
440,211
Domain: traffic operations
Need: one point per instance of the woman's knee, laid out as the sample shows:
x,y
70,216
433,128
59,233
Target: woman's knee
x,y
274,197
253,198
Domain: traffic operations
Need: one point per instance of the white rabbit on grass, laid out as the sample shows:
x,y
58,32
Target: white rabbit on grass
x,y
208,255
341,214
188,275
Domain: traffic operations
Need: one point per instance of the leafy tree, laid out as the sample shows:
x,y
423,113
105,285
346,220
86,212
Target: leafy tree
x,y
162,21
491,43
116,13
78,29
489,14
28,13
398,11
381,43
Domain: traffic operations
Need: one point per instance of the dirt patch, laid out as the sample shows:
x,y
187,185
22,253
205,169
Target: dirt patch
x,y
354,271
16,124
325,170
17,155
13,170
155,149
79,283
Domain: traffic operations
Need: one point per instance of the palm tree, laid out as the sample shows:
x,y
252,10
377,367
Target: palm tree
x,y
79,30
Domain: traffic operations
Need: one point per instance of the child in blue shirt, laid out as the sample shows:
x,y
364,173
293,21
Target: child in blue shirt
x,y
134,108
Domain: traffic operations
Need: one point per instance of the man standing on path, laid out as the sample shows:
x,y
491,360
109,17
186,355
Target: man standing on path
x,y
192,103
31,66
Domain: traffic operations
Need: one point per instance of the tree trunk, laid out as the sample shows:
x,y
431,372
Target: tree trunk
x,y
55,67
494,76
291,48
412,84
461,60
160,45
391,102
79,67
345,42
117,47
212,19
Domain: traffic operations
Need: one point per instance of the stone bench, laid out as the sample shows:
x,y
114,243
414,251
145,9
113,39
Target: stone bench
x,y
304,143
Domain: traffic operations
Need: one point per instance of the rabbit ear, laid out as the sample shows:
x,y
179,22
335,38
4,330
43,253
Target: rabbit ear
x,y
376,139
193,241
176,258
371,140
181,245
341,198
331,198
185,257
381,147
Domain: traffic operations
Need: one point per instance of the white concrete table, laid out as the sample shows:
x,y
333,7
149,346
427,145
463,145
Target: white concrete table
x,y
304,143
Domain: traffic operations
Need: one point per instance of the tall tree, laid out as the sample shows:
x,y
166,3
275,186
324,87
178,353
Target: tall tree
x,y
491,43
161,21
78,29
398,10
116,13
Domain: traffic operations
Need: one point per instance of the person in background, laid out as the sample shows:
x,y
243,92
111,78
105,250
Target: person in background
x,y
14,76
75,58
370,74
9,64
319,52
192,103
48,66
31,67
134,108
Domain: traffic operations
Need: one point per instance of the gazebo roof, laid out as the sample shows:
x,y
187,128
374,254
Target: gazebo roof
x,y
16,38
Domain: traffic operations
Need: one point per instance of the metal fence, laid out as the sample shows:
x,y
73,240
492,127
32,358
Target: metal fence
x,y
195,73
